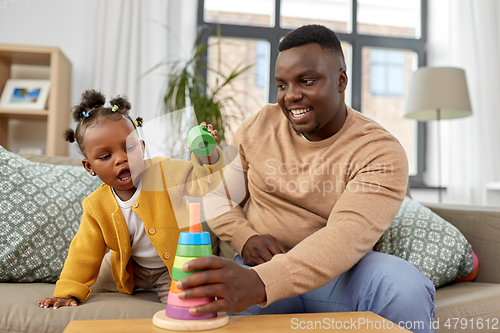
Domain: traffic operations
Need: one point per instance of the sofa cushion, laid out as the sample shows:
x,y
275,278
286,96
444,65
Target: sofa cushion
x,y
23,314
433,245
461,305
40,211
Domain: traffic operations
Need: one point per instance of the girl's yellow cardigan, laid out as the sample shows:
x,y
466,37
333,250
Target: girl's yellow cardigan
x,y
161,205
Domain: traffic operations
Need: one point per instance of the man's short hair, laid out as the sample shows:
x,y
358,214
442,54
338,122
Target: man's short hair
x,y
313,33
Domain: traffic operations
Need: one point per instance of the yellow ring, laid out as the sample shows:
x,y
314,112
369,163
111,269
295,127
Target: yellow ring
x,y
180,261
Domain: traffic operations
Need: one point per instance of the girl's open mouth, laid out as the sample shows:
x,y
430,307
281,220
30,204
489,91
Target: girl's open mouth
x,y
125,175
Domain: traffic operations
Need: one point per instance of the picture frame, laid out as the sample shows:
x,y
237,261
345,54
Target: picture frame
x,y
25,94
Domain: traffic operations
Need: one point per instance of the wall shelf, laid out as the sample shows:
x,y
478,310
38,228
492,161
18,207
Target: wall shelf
x,y
23,114
57,115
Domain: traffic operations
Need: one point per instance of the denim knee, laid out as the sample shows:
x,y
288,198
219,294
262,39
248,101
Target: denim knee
x,y
396,290
394,276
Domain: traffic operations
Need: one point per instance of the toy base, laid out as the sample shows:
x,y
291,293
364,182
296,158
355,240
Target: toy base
x,y
161,320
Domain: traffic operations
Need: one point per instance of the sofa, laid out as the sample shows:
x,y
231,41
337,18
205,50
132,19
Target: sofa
x,y
460,306
472,306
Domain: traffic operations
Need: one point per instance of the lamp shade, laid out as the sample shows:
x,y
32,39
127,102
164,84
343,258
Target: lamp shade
x,y
438,88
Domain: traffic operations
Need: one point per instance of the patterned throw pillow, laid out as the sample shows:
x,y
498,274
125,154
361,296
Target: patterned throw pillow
x,y
40,211
436,247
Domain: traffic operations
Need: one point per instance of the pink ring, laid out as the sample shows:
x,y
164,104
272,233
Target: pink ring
x,y
176,312
173,299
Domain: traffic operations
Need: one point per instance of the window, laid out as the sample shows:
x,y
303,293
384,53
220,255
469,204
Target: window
x,y
250,90
256,13
383,42
335,14
385,80
387,72
389,18
261,65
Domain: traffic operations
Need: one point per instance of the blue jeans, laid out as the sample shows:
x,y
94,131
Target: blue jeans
x,y
381,283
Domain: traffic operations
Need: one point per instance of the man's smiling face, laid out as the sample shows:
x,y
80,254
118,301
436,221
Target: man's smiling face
x,y
311,84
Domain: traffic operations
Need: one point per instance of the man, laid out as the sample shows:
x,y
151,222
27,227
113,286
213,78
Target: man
x,y
324,182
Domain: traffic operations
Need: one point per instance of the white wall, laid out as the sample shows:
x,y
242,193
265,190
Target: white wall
x,y
59,23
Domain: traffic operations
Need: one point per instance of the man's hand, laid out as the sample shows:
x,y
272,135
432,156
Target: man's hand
x,y
57,302
235,287
261,248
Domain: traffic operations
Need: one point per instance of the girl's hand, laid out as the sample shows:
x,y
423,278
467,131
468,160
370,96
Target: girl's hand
x,y
214,156
57,302
211,130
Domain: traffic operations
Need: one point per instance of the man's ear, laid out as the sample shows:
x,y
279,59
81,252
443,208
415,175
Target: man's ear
x,y
88,167
342,80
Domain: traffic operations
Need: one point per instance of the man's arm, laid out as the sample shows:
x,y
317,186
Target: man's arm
x,y
365,209
226,217
224,205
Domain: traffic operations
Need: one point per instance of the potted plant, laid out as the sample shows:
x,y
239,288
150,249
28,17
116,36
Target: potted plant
x,y
187,86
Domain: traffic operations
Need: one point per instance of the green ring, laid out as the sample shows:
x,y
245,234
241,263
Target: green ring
x,y
194,250
178,274
201,142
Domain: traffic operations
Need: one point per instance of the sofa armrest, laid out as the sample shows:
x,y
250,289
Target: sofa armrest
x,y
56,160
481,226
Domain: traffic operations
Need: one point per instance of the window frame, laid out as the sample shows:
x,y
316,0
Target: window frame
x,y
357,41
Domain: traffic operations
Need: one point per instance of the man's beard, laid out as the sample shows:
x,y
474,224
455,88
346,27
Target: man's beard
x,y
311,132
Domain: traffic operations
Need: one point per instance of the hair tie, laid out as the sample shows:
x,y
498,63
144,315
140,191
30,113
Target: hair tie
x,y
85,114
115,107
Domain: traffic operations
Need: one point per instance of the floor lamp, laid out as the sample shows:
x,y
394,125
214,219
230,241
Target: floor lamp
x,y
438,93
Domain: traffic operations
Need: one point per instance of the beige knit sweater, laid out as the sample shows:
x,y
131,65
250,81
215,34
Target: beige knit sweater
x,y
328,201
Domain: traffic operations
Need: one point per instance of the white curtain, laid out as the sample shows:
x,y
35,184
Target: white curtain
x,y
130,37
466,34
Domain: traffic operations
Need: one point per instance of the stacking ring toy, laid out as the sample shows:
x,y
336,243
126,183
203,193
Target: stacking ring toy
x,y
201,142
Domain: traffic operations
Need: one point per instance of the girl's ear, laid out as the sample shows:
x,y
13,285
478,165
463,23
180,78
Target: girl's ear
x,y
88,167
143,146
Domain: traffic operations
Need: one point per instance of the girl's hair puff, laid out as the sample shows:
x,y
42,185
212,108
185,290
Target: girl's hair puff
x,y
91,100
122,103
69,135
91,112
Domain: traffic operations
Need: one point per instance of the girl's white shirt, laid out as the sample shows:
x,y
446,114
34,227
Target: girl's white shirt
x,y
142,250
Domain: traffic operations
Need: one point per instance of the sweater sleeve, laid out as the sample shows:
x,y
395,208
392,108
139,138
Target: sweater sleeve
x,y
192,178
83,262
371,199
224,206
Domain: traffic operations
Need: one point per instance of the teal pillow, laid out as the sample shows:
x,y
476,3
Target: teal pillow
x,y
40,211
434,246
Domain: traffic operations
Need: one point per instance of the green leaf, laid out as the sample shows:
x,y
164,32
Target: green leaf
x,y
187,86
